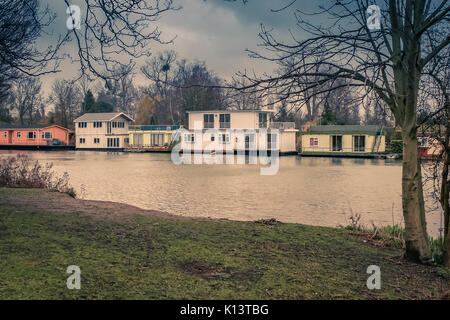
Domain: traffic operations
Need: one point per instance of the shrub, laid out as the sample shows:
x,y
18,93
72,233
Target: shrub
x,y
22,172
396,146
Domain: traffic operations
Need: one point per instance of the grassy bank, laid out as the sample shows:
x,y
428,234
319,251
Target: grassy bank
x,y
126,253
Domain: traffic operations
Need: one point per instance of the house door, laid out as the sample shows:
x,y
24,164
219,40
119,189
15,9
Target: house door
x,y
336,143
10,135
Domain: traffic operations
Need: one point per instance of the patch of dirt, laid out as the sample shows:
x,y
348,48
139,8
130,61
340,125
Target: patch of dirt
x,y
55,202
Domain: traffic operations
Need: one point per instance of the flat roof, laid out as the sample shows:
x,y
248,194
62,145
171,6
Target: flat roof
x,y
370,129
229,111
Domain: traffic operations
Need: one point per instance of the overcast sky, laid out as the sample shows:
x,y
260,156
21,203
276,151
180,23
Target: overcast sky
x,y
214,31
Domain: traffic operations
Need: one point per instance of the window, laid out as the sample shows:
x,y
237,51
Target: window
x,y
82,124
336,143
113,142
97,124
31,135
224,138
262,120
212,137
189,138
271,140
126,140
18,134
116,124
208,121
224,121
359,143
157,139
46,135
5,134
96,140
82,140
313,142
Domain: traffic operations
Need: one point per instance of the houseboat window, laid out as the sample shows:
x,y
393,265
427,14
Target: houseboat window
x,y
5,134
224,138
96,140
208,121
31,135
224,121
46,135
313,142
336,143
359,143
121,125
82,140
82,124
97,124
263,120
18,134
189,138
271,140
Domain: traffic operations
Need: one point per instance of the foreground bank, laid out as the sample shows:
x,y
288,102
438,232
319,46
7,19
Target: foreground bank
x,y
125,252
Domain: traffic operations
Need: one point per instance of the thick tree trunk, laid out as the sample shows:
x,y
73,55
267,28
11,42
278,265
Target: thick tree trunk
x,y
417,248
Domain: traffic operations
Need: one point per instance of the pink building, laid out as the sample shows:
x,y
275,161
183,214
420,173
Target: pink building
x,y
33,135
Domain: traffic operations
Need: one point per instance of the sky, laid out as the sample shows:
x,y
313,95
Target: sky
x,y
215,31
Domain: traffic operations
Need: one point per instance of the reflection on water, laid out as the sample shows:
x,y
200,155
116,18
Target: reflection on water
x,y
313,190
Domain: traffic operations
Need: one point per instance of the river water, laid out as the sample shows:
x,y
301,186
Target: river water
x,y
314,191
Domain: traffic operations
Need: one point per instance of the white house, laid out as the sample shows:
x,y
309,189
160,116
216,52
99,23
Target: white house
x,y
95,131
236,131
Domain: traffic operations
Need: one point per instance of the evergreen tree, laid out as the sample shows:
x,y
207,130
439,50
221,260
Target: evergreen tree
x,y
89,104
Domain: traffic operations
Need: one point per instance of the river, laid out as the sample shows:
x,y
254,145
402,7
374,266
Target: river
x,y
314,191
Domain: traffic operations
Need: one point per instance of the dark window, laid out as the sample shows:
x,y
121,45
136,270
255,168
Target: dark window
x,y
359,143
336,143
31,135
224,121
262,120
208,121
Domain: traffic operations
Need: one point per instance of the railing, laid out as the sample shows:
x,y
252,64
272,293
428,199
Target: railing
x,y
282,125
153,127
224,125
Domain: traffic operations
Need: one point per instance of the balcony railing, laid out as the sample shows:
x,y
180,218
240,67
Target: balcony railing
x,y
282,125
224,125
153,127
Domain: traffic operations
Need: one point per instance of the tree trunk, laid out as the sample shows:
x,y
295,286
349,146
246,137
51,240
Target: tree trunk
x,y
417,248
445,189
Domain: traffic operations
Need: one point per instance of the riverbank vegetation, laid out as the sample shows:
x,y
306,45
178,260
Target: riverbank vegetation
x,y
22,172
128,253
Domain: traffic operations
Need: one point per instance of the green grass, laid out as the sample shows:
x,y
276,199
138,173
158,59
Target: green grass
x,y
150,257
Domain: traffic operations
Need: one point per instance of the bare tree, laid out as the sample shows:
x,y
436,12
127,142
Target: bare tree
x,y
435,122
115,27
21,24
388,61
26,98
66,97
